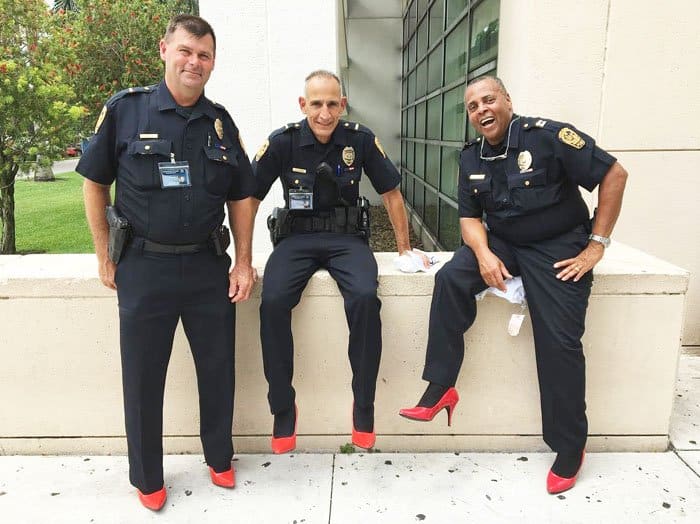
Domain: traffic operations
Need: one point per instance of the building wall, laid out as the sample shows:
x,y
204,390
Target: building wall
x,y
627,76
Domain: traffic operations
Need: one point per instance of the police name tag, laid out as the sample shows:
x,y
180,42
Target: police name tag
x,y
301,199
174,174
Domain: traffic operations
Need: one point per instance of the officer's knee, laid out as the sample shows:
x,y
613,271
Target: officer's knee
x,y
363,296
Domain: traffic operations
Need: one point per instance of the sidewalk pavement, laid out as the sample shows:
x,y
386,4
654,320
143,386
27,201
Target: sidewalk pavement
x,y
375,487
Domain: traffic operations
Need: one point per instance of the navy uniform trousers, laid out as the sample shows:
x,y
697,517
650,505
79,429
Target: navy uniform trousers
x,y
557,310
154,291
352,265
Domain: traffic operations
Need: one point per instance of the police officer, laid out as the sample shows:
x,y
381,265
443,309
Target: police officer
x,y
319,161
523,177
176,158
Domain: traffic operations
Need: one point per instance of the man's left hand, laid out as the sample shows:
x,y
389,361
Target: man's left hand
x,y
241,279
581,264
424,258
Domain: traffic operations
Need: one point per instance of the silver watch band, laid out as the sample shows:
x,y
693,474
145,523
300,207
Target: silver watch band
x,y
602,240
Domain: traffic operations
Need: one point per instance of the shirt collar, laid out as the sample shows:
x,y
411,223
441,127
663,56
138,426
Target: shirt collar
x,y
167,102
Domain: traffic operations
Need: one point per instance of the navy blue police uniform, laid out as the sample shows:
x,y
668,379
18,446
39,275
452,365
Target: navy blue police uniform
x,y
293,154
170,270
527,191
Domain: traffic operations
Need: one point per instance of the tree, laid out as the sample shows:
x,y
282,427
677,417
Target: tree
x,y
37,113
113,45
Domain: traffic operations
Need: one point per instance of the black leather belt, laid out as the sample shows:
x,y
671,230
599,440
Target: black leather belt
x,y
174,249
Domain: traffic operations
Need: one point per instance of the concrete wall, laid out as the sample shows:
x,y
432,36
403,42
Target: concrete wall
x,y
625,72
61,385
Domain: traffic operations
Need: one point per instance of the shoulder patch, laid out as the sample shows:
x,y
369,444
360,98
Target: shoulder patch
x,y
379,146
101,118
262,150
571,138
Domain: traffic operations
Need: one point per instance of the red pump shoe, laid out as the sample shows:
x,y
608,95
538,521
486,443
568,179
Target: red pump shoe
x,y
363,439
424,414
286,444
225,479
557,484
153,501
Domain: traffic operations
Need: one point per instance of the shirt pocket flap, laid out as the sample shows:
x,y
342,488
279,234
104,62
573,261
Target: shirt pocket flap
x,y
221,155
150,147
477,186
537,177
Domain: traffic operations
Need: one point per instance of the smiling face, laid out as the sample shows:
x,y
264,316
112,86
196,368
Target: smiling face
x,y
323,106
189,61
489,108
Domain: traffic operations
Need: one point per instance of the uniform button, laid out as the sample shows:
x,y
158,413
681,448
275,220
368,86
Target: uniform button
x,y
225,157
527,182
352,182
296,181
476,191
147,148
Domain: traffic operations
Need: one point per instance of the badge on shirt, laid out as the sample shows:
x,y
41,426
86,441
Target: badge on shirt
x,y
219,128
524,160
262,150
379,146
101,118
571,138
349,155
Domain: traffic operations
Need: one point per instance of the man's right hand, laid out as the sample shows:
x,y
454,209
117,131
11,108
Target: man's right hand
x,y
492,269
107,269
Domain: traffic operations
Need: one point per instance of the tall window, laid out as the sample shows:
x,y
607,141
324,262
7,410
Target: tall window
x,y
445,44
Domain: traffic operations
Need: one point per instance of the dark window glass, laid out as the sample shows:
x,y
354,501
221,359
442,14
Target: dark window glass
x,y
410,156
449,175
455,8
412,87
420,120
409,190
418,199
420,161
411,127
435,69
432,165
449,233
453,116
436,18
422,38
434,112
484,42
421,78
456,52
430,218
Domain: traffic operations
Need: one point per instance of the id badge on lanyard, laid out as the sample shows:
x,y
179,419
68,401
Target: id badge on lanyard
x,y
301,199
174,174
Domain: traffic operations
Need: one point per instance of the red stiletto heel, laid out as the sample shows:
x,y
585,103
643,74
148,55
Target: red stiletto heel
x,y
362,439
225,479
286,444
153,501
557,484
424,414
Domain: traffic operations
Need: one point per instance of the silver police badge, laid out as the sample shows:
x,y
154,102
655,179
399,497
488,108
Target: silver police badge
x,y
524,160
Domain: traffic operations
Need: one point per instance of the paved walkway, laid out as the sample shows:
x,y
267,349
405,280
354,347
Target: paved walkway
x,y
373,488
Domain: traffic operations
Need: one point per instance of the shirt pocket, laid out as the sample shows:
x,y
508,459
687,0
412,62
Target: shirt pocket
x,y
142,161
529,191
219,169
480,189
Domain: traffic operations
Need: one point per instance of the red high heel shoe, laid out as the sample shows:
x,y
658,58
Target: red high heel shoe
x,y
362,439
225,479
154,501
286,444
557,484
448,401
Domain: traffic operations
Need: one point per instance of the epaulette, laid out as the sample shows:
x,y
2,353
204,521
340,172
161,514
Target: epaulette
x,y
287,127
472,142
131,91
529,123
354,126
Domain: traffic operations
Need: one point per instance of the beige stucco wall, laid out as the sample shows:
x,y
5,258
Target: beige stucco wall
x,y
625,72
61,385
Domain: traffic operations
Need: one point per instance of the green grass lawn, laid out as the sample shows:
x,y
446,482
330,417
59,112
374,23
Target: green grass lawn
x,y
50,216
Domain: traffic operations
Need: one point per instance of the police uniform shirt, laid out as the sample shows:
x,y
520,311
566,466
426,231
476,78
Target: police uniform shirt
x,y
141,127
293,154
534,189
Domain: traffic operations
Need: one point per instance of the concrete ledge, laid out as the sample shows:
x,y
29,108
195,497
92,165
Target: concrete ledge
x,y
60,378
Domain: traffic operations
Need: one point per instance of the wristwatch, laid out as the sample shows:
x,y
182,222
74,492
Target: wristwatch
x,y
602,240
